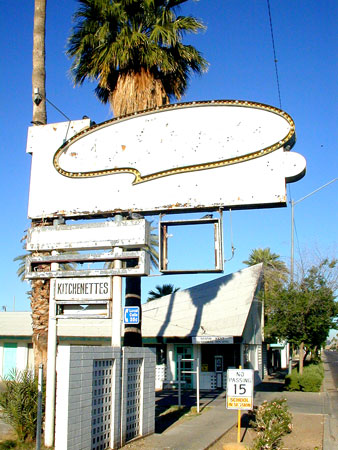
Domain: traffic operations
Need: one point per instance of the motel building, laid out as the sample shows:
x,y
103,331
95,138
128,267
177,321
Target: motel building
x,y
219,322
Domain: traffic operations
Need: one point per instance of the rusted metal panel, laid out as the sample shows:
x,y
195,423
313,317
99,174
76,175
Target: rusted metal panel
x,y
201,155
104,235
142,266
83,310
164,229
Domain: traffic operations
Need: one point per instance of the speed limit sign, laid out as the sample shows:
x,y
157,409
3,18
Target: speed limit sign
x,y
240,388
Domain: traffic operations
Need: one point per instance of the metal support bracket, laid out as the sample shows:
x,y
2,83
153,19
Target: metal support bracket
x,y
164,234
142,266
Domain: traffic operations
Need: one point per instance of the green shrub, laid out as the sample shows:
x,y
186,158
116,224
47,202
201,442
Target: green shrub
x,y
310,381
292,381
272,421
18,402
312,378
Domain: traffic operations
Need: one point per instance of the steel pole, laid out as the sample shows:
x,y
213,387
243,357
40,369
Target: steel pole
x,y
51,366
292,242
39,418
198,384
117,298
293,203
179,380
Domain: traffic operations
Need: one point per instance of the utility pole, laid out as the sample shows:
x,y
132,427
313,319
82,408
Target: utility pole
x,y
293,203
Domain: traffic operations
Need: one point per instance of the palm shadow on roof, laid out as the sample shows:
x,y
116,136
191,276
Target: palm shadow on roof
x,y
193,302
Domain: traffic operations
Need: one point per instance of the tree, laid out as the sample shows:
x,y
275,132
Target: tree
x,y
39,300
40,288
39,71
134,50
274,276
161,291
274,270
304,312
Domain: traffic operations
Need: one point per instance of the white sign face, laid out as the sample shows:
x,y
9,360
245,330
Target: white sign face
x,y
240,388
95,288
102,235
201,155
83,311
213,340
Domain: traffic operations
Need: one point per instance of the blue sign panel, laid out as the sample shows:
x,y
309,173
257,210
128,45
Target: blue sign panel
x,y
131,315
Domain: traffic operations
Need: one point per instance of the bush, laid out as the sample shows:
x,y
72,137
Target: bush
x,y
312,378
310,381
292,381
19,404
272,421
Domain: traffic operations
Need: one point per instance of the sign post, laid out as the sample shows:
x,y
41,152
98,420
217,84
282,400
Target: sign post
x,y
239,392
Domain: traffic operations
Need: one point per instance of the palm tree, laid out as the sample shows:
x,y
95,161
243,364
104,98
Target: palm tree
x,y
39,295
39,301
275,273
134,50
274,270
161,291
39,71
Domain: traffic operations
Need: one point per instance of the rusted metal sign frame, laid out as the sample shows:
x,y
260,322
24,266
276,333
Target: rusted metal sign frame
x,y
123,179
142,267
90,236
83,316
218,243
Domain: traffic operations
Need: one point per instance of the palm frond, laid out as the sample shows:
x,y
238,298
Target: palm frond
x,y
114,39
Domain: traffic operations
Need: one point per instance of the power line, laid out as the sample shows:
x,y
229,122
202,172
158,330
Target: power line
x,y
274,55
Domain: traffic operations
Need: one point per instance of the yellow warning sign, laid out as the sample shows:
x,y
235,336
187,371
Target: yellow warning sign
x,y
239,402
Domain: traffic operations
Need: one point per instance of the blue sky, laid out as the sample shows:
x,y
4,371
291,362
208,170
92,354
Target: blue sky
x,y
238,46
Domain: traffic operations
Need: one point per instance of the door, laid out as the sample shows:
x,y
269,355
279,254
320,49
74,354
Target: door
x,y
219,371
186,352
9,359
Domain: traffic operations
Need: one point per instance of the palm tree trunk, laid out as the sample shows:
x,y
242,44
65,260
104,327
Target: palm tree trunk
x,y
40,288
137,92
133,334
39,72
40,315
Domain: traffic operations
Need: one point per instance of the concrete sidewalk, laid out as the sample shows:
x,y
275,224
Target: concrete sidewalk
x,y
195,433
200,432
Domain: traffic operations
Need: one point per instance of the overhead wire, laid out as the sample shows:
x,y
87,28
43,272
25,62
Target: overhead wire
x,y
274,55
278,87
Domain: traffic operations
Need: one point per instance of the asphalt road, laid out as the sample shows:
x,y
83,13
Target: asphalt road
x,y
330,359
331,363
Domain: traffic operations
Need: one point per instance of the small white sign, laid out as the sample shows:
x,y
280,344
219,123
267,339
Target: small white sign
x,y
94,288
213,340
240,389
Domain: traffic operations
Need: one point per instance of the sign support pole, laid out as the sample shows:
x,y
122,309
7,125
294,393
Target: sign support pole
x,y
116,305
51,367
239,421
198,384
179,380
117,297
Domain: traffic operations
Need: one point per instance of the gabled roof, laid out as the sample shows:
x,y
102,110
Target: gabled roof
x,y
216,308
16,324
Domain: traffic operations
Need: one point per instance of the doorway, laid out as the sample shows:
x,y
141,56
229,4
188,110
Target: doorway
x,y
185,351
9,359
